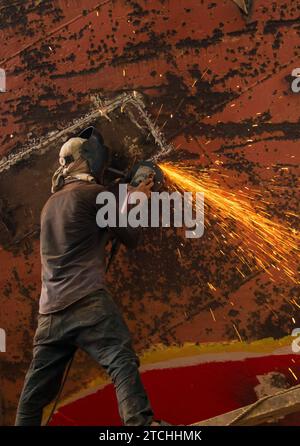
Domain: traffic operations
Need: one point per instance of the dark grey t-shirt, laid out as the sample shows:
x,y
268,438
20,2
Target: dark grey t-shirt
x,y
72,246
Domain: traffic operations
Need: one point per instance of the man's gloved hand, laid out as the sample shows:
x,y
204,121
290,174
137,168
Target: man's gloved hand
x,y
144,186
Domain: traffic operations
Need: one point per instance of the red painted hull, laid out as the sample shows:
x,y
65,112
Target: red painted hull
x,y
185,395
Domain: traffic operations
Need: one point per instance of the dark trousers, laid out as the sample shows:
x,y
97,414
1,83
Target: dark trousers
x,y
95,325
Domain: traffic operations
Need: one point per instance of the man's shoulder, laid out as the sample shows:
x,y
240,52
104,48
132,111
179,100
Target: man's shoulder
x,y
92,188
83,185
77,190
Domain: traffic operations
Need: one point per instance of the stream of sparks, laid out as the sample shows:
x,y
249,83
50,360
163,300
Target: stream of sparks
x,y
243,218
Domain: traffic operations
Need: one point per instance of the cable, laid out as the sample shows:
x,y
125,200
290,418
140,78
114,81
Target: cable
x,y
114,249
60,390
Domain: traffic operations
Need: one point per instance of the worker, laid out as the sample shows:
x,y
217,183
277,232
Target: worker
x,y
76,309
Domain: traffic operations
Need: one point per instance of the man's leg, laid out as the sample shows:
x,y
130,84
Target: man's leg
x,y
109,343
44,376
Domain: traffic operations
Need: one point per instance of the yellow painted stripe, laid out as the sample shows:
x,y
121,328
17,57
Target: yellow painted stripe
x,y
160,352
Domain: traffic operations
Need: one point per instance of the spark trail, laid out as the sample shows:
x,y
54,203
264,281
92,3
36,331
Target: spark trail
x,y
242,217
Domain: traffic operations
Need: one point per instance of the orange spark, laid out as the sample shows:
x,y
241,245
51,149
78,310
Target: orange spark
x,y
273,246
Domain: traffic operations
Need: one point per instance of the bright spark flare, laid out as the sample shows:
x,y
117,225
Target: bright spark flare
x,y
272,245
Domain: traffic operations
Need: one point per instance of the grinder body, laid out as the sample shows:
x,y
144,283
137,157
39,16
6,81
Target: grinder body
x,y
142,171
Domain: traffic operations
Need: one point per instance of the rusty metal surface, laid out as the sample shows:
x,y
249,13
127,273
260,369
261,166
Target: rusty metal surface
x,y
225,79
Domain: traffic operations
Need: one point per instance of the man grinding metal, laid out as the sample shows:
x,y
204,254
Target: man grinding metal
x,y
75,309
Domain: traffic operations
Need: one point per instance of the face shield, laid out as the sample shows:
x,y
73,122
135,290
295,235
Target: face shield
x,y
95,152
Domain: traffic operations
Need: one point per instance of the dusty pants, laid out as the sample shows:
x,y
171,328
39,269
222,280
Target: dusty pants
x,y
95,325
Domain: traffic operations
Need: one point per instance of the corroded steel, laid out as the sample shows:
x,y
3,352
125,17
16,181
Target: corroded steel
x,y
216,83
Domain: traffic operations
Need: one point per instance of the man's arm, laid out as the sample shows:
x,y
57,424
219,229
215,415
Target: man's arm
x,y
129,236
